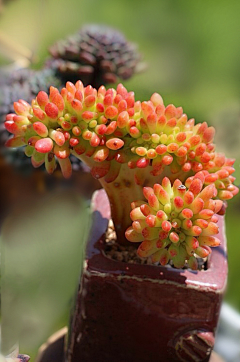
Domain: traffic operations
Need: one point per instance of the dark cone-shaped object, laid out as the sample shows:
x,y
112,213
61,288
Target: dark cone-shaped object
x,y
96,54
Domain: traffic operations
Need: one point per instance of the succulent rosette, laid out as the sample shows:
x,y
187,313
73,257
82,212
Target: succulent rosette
x,y
177,223
97,54
127,144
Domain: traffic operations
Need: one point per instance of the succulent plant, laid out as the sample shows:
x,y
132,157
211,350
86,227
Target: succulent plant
x,y
176,222
96,54
23,83
134,148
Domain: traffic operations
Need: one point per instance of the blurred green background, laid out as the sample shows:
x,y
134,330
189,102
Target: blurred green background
x,y
192,49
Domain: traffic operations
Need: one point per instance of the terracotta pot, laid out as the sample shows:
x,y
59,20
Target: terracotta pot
x,y
53,349
131,312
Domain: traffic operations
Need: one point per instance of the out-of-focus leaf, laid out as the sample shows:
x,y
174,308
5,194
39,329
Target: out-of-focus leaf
x,y
43,248
227,124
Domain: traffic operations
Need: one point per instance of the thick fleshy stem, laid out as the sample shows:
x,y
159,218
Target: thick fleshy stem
x,y
121,193
125,189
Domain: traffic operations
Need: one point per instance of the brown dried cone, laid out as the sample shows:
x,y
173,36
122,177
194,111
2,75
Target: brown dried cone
x,y
96,54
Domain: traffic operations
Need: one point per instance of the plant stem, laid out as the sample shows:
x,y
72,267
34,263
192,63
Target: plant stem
x,y
124,190
121,192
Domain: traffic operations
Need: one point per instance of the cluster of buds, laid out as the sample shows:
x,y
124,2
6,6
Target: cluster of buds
x,y
124,140
177,222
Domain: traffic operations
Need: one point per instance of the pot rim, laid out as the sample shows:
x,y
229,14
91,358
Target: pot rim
x,y
213,279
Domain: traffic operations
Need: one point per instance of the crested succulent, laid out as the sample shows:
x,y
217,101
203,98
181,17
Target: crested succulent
x,y
134,148
97,54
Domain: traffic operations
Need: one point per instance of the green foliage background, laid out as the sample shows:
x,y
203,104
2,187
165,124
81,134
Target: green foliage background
x,y
192,49
43,248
